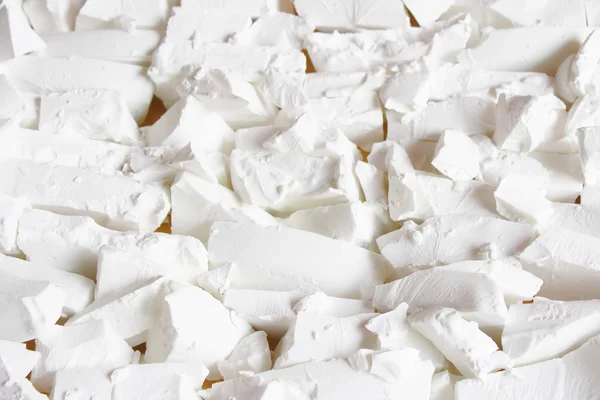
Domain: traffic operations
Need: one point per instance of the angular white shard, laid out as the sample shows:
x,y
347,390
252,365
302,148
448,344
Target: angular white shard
x,y
313,337
37,75
197,204
169,381
344,15
188,121
250,356
93,344
178,336
81,384
372,182
456,156
95,114
287,182
17,36
116,201
519,199
583,113
477,297
255,8
205,25
547,329
28,308
338,268
78,290
567,262
212,167
51,16
380,375
584,65
471,351
277,29
589,153
13,386
102,14
11,210
454,238
357,223
18,361
426,12
72,244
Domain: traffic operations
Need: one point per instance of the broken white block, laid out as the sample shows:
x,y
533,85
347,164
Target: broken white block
x,y
338,268
93,344
18,361
456,156
277,29
11,209
211,167
589,153
584,66
95,114
250,356
477,297
205,25
340,84
372,182
570,13
78,290
575,217
13,386
454,238
197,204
18,37
442,386
179,337
426,12
282,90
520,199
471,351
188,121
102,14
72,244
565,178
79,384
320,303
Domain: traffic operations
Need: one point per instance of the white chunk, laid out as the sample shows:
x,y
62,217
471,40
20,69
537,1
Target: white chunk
x,y
454,238
78,290
16,387
477,297
17,36
283,90
188,121
338,268
211,167
456,156
570,13
565,178
205,25
255,8
102,14
583,113
18,361
426,12
81,384
519,199
92,344
442,386
320,303
180,337
372,182
72,244
471,351
567,262
582,373
575,217
12,104
584,66
11,210
589,153
250,356
28,308
277,29
95,114
50,16
339,84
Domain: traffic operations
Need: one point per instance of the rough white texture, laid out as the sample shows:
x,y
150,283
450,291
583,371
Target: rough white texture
x,y
338,268
477,297
456,156
250,356
51,16
128,14
17,36
583,79
212,167
454,238
92,344
205,25
567,262
357,223
81,384
278,29
575,217
28,308
11,209
177,336
17,360
78,290
471,351
13,386
95,114
519,199
378,375
589,153
72,244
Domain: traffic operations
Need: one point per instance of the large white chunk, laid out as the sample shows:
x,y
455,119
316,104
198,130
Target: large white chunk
x,y
471,351
92,344
81,384
72,244
278,29
519,199
178,336
102,14
589,153
13,386
18,361
338,268
249,357
456,156
205,25
567,262
37,75
477,297
96,114
11,209
372,182
78,290
575,217
454,238
17,36
28,308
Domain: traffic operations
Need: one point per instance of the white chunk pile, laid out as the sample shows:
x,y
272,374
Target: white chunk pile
x,y
299,199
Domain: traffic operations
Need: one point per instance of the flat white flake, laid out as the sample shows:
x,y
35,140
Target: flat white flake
x,y
144,14
519,199
205,25
278,29
249,357
456,156
18,37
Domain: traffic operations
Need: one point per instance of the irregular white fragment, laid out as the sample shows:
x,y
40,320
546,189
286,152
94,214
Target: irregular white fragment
x,y
12,104
93,344
456,156
442,386
17,36
373,183
205,25
37,75
72,244
250,356
81,384
212,167
520,199
29,308
567,262
11,210
277,29
477,297
50,16
178,336
95,114
570,13
584,66
589,153
282,90
320,303
471,351
13,386
426,12
102,14
575,217
582,373
338,268
454,238
17,360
